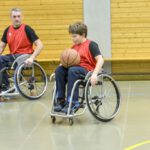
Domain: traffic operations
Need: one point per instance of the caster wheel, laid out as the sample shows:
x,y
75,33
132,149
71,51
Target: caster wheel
x,y
53,119
3,99
71,121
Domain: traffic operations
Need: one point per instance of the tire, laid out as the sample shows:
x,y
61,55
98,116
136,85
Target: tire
x,y
53,119
102,104
30,81
71,122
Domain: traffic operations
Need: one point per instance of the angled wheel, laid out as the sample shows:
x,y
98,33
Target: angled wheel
x,y
53,119
103,99
30,81
71,121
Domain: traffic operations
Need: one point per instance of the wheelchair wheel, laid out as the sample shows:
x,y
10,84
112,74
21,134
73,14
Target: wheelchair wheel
x,y
103,99
30,81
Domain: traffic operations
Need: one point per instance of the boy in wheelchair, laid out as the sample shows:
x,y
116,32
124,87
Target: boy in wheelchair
x,y
20,39
90,60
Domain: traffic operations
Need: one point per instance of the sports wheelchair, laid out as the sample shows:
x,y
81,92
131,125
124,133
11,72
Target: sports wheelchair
x,y
30,81
102,100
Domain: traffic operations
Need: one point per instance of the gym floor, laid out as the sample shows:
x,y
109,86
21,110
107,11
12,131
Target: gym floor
x,y
26,125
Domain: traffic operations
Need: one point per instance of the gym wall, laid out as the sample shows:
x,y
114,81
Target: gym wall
x,y
130,24
50,19
120,27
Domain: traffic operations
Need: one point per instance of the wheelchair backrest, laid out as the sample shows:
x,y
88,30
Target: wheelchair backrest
x,y
19,60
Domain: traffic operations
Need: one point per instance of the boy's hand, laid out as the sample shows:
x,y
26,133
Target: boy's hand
x,y
29,61
93,79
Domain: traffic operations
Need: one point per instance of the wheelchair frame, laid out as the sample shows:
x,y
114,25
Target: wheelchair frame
x,y
85,103
19,62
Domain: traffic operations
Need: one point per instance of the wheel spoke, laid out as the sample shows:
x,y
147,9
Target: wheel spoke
x,y
31,81
103,99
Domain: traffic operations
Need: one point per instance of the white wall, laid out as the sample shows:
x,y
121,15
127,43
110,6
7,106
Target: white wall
x,y
97,18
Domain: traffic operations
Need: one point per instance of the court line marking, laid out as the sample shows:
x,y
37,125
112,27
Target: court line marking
x,y
126,114
137,145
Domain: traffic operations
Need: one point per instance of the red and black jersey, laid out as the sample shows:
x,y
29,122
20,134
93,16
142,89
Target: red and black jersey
x,y
20,40
88,50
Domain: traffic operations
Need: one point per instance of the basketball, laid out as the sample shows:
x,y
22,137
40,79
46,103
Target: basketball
x,y
70,57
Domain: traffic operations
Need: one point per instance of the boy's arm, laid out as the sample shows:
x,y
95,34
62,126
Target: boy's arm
x,y
99,64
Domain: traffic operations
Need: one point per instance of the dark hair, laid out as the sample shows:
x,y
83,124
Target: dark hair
x,y
78,28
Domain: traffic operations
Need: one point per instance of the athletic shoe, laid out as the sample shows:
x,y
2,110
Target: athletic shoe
x,y
75,106
59,105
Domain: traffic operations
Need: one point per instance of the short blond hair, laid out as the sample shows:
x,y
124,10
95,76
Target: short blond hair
x,y
16,10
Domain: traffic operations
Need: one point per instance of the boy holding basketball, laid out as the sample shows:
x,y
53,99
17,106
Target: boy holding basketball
x,y
90,60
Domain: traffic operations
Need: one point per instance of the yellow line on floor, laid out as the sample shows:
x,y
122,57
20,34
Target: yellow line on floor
x,y
137,145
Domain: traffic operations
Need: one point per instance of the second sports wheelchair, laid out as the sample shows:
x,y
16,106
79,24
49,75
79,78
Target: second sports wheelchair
x,y
30,81
102,100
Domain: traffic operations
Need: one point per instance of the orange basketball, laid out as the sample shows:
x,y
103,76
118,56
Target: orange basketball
x,y
70,57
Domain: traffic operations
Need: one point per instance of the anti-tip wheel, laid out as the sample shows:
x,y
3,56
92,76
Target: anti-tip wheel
x,y
53,119
71,121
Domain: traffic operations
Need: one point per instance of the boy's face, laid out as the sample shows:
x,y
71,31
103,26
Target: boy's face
x,y
77,39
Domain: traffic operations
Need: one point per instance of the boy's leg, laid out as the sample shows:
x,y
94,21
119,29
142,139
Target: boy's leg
x,y
61,80
4,62
74,73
